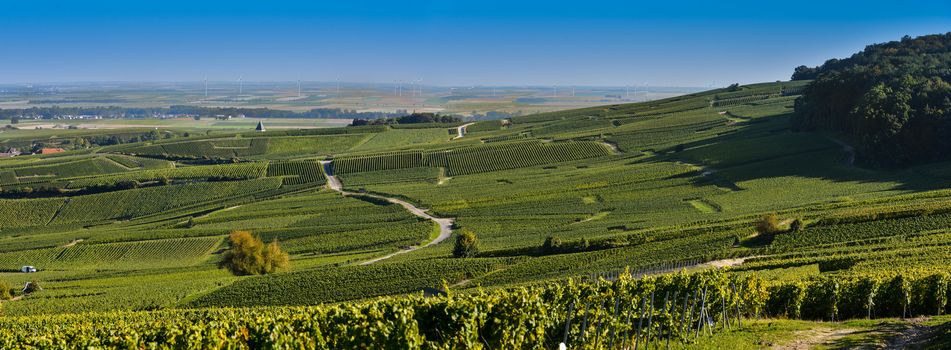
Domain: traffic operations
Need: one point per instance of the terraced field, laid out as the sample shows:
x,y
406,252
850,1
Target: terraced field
x,y
649,187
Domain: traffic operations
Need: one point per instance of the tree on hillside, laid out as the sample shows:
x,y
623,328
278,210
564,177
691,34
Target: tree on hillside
x,y
891,101
805,73
768,224
467,245
552,245
248,255
796,226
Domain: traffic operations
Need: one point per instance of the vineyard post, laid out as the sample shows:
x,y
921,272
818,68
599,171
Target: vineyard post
x,y
627,327
693,306
724,315
640,321
571,308
617,305
584,322
670,317
650,324
737,301
703,304
683,317
597,328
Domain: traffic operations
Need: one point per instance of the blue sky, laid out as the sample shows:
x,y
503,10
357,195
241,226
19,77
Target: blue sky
x,y
671,43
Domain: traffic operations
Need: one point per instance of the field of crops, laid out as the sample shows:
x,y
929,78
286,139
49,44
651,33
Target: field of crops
x,y
144,201
673,308
298,172
126,255
651,187
477,159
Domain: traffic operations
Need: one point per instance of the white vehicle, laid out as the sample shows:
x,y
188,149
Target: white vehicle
x,y
27,269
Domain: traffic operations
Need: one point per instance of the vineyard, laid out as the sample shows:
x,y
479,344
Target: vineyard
x,y
774,229
242,171
169,252
298,172
475,159
678,309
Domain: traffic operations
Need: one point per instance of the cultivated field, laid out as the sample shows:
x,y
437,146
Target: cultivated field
x,y
601,196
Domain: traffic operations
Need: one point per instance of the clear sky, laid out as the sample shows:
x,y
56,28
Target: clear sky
x,y
602,42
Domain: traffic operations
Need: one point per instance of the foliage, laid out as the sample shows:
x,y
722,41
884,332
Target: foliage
x,y
527,318
248,255
5,291
892,99
768,224
552,245
467,245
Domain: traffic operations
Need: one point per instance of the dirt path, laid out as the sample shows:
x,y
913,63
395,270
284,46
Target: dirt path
x,y
445,224
725,262
612,145
810,338
849,152
72,243
461,131
915,335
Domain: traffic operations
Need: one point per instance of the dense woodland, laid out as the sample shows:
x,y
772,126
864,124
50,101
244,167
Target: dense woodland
x,y
892,100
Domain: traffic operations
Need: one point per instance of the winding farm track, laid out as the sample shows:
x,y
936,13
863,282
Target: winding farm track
x,y
445,224
461,131
849,160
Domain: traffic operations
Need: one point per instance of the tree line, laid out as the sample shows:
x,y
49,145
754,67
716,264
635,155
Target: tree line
x,y
892,101
414,118
182,110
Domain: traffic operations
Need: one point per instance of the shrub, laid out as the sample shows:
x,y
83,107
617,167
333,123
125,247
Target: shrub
x,y
821,301
796,226
768,224
249,256
930,295
856,298
5,291
467,245
893,297
552,245
785,300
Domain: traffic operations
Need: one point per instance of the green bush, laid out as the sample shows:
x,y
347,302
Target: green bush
x,y
893,298
930,295
552,245
248,255
467,245
821,300
785,300
857,297
768,224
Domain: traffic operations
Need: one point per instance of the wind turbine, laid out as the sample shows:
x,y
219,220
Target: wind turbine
x,y
555,91
206,87
240,84
298,88
338,86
